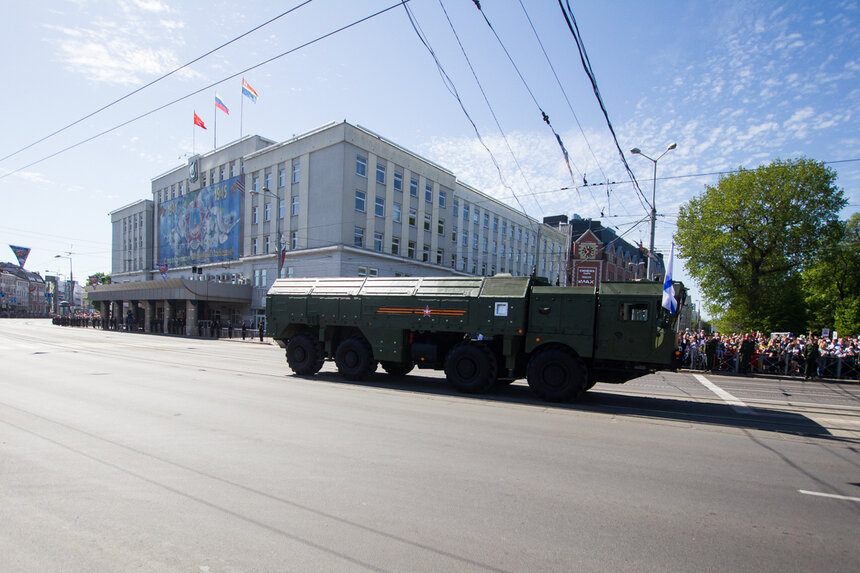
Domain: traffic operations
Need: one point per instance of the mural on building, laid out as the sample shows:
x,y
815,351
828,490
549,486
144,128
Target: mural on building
x,y
202,226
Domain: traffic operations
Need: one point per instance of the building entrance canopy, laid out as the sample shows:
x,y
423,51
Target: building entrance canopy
x,y
171,289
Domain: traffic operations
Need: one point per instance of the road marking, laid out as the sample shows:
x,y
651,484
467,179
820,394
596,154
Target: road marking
x,y
832,495
736,404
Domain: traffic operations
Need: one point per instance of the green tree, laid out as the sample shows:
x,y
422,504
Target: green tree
x,y
832,284
747,239
101,278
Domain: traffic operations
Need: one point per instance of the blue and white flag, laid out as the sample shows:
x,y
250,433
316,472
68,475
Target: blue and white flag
x,y
669,302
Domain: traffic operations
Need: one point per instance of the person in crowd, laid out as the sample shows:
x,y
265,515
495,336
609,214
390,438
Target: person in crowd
x,y
747,349
711,351
811,352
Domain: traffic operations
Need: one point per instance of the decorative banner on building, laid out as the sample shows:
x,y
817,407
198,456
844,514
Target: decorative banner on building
x,y
203,226
22,253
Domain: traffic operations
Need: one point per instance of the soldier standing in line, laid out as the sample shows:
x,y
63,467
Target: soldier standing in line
x,y
811,353
711,351
747,349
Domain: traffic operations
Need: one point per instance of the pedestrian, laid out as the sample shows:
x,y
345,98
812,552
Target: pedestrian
x,y
811,353
230,328
747,348
244,329
711,351
261,327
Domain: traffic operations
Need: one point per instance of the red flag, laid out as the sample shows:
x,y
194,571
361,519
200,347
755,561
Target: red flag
x,y
198,121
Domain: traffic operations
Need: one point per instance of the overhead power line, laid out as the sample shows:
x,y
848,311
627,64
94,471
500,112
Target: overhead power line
x,y
586,65
209,86
155,81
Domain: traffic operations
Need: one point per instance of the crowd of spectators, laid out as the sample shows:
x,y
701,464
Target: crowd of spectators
x,y
777,353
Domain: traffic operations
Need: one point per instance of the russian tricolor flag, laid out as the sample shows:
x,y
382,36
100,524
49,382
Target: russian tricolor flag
x,y
219,103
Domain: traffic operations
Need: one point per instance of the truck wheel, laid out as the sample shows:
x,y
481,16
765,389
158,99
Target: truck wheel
x,y
471,368
304,355
398,368
354,358
556,375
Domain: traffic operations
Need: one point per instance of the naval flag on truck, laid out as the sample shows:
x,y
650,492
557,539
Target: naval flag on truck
x,y
669,302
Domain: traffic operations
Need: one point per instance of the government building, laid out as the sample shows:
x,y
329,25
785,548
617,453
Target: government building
x,y
337,201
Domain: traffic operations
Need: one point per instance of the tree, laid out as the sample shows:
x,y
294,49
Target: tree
x,y
100,278
747,239
832,284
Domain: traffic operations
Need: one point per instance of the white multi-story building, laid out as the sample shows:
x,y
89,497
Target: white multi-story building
x,y
337,201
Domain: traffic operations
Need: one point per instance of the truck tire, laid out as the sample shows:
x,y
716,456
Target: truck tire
x,y
471,368
304,354
556,375
397,368
354,358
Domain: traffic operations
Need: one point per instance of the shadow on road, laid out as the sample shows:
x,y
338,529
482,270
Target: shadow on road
x,y
601,402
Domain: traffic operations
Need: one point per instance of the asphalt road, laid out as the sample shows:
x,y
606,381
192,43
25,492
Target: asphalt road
x,y
135,452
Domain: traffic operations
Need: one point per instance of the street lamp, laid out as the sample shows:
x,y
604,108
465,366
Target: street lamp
x,y
70,285
281,245
636,151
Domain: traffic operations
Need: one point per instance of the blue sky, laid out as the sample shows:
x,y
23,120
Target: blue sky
x,y
733,83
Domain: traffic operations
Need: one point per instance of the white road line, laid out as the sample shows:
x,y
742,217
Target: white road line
x,y
834,496
736,404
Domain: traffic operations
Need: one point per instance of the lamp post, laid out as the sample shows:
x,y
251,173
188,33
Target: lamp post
x,y
636,151
280,245
70,290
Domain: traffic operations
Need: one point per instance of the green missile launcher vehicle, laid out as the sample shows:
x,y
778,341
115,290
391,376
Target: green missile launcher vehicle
x,y
480,331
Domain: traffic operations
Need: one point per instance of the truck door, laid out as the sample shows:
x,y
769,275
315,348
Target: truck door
x,y
626,328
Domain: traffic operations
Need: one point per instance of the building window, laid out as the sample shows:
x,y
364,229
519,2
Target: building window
x,y
395,245
362,271
380,173
495,245
361,165
440,226
484,244
475,241
254,215
413,187
442,198
455,207
254,246
428,192
410,250
476,216
465,238
440,256
203,179
377,242
256,184
412,215
398,181
297,172
427,221
294,206
267,244
380,207
290,272
396,212
233,169
504,227
294,240
267,212
358,237
465,211
280,209
282,177
486,220
360,200
425,256
454,234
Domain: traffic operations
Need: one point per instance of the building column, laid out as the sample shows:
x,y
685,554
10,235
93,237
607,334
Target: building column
x,y
148,307
168,314
191,317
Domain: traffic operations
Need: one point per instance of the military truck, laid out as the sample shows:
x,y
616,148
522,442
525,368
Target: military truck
x,y
480,331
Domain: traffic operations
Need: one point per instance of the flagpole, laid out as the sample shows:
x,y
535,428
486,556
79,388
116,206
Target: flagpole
x,y
241,112
193,139
215,129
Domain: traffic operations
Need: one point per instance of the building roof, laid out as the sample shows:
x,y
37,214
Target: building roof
x,y
21,272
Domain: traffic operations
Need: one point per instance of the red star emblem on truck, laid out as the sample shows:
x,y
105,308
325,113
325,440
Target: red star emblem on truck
x,y
427,310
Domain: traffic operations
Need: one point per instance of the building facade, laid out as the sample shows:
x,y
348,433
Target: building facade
x,y
597,253
337,201
22,292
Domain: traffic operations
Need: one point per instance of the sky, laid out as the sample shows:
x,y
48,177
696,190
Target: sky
x,y
733,83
